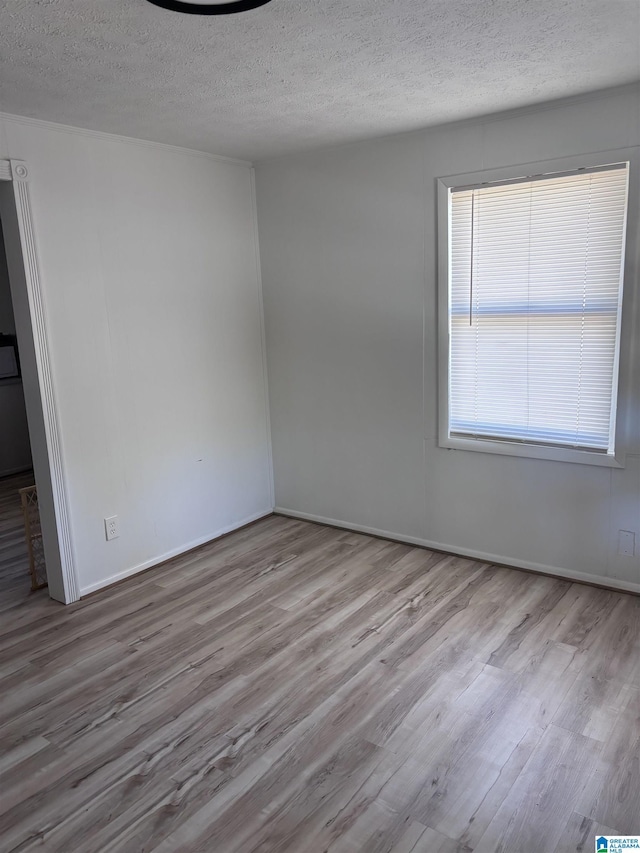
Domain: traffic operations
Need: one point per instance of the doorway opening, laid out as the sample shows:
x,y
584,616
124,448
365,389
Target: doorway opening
x,y
16,465
31,349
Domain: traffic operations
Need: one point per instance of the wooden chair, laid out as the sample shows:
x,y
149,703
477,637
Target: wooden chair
x,y
33,534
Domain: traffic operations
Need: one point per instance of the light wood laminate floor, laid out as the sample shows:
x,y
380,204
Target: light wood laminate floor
x,y
293,687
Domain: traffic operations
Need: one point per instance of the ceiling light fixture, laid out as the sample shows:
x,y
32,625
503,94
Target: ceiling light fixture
x,y
200,7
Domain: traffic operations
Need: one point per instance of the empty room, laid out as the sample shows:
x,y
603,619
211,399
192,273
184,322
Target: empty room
x,y
319,426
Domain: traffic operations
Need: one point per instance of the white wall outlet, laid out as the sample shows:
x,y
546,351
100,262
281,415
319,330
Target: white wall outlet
x,y
626,543
111,527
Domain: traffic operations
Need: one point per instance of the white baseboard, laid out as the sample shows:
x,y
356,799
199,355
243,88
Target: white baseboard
x,y
175,552
556,571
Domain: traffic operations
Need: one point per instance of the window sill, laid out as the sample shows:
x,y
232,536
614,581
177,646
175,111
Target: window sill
x,y
533,451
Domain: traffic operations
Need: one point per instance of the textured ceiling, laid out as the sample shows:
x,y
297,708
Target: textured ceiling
x,y
298,74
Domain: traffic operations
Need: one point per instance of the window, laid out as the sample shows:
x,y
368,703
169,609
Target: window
x,y
533,301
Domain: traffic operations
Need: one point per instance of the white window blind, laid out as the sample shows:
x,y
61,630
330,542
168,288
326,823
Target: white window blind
x,y
535,290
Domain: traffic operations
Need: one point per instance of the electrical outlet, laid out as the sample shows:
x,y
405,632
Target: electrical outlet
x,y
111,527
626,543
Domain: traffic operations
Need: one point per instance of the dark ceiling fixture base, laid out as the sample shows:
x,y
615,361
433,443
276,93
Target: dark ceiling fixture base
x,y
210,8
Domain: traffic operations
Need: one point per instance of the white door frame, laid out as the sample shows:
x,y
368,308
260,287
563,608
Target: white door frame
x,y
42,414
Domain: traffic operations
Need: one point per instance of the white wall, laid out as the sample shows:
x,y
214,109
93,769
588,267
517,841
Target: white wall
x,y
15,450
151,286
348,249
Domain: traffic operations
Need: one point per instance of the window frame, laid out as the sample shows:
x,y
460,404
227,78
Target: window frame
x,y
506,447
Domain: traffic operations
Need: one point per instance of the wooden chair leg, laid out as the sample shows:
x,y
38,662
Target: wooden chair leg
x,y
33,536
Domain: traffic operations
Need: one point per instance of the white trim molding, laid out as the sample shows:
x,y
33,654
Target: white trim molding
x,y
495,559
19,175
